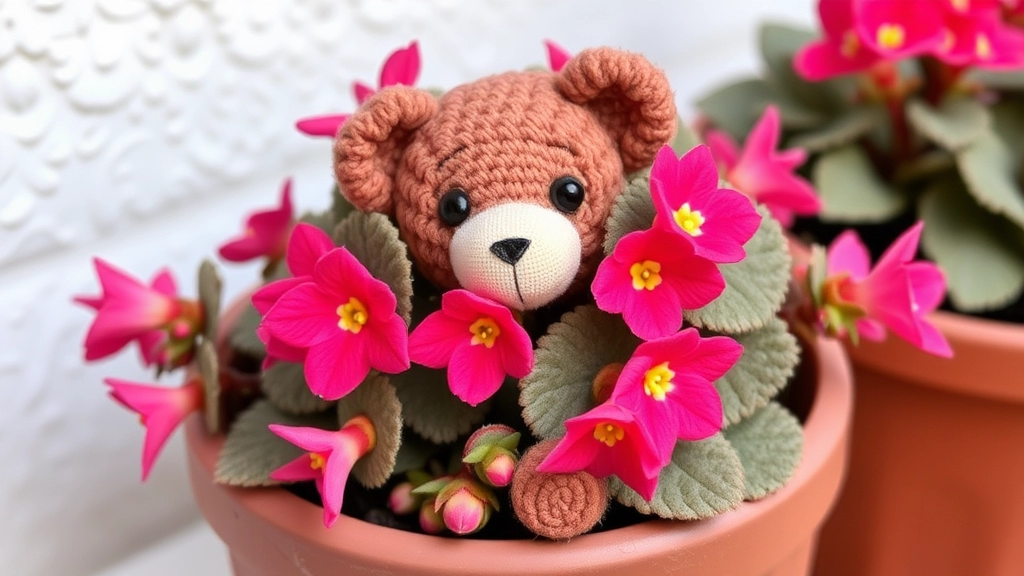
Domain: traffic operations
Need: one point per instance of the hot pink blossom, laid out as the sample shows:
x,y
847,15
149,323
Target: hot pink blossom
x,y
897,294
764,173
651,277
557,56
346,321
608,439
330,458
128,310
160,409
401,67
266,232
897,29
477,339
669,385
974,34
717,221
840,51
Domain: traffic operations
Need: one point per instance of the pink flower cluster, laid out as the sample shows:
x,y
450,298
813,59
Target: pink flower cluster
x,y
859,34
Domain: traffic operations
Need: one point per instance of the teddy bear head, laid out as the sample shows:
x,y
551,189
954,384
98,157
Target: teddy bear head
x,y
502,186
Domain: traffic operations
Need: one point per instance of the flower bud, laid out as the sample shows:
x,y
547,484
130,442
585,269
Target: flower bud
x,y
464,513
430,519
402,500
497,471
492,454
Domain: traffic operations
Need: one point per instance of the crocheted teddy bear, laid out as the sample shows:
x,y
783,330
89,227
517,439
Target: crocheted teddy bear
x,y
502,186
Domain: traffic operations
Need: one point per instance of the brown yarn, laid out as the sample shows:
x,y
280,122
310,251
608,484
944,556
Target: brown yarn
x,y
502,139
556,506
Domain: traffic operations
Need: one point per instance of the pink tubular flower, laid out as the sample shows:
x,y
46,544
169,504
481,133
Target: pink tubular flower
x,y
477,339
346,321
897,294
160,409
651,277
841,51
764,173
401,67
129,310
669,385
557,56
717,221
330,458
266,232
608,440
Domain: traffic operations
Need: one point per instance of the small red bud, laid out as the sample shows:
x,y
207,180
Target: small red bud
x,y
464,513
402,500
499,470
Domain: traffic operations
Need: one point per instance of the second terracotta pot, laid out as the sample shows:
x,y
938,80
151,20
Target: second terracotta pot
x,y
936,482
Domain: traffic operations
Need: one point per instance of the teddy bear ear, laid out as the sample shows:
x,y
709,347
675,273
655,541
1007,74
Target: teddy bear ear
x,y
630,97
369,145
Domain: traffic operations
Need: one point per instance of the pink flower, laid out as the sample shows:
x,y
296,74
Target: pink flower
x,y
669,385
151,343
608,440
557,56
477,339
841,51
160,409
330,458
651,277
764,173
266,232
897,29
717,221
897,294
346,321
401,67
129,310
975,35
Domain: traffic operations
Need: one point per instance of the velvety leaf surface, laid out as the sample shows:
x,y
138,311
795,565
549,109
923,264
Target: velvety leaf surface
x,y
842,129
991,164
779,43
770,354
982,254
685,138
755,287
770,443
251,451
703,479
567,359
209,369
209,297
243,334
633,210
340,207
376,399
736,107
430,409
373,240
285,386
956,123
851,190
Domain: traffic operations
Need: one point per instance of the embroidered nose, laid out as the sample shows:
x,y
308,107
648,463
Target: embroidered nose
x,y
510,250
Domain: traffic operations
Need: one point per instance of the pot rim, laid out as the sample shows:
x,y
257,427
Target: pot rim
x,y
753,529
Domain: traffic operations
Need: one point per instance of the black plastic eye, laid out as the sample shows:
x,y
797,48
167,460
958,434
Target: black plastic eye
x,y
454,207
567,194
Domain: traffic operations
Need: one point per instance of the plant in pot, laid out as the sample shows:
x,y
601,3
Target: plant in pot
x,y
523,315
912,111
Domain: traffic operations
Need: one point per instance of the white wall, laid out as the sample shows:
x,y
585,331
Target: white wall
x,y
141,131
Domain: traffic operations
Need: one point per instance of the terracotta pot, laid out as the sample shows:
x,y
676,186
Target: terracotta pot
x,y
270,532
936,483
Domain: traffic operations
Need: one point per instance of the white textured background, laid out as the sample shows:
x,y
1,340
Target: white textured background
x,y
141,131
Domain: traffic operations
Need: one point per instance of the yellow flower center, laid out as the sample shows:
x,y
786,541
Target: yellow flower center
x,y
608,433
352,316
983,47
645,275
890,36
658,381
851,44
485,331
961,5
317,461
689,220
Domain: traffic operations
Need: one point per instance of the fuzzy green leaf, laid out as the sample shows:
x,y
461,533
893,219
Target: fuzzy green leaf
x,y
374,241
954,124
769,444
284,384
376,399
779,43
243,334
477,454
414,453
251,451
430,409
981,253
770,354
990,168
322,220
1012,80
567,359
209,297
209,368
633,210
685,138
755,287
340,207
736,107
851,190
703,479
843,129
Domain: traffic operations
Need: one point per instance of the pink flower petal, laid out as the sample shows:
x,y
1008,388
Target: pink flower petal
x,y
928,284
401,67
557,56
432,343
327,125
335,367
307,438
298,470
723,148
916,26
306,246
870,329
304,316
267,295
848,254
698,407
387,345
362,92
475,373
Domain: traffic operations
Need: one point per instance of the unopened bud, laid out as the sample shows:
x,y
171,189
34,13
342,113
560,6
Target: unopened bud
x,y
430,519
402,500
464,513
498,471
